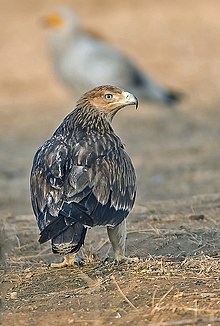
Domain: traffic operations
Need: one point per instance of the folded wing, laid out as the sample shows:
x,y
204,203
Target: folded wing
x,y
91,182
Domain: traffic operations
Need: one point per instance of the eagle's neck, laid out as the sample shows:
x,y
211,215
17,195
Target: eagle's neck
x,y
86,120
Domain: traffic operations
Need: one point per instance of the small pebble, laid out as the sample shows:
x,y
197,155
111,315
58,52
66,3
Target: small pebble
x,y
199,282
29,275
14,295
197,217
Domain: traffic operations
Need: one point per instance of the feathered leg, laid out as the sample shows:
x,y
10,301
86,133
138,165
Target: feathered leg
x,y
117,236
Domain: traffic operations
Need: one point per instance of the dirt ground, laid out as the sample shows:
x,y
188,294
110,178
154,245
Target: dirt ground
x,y
174,227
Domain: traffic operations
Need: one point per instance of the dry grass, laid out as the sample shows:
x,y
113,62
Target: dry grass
x,y
168,286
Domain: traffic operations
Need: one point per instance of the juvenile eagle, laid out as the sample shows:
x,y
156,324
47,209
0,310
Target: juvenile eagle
x,y
82,60
82,176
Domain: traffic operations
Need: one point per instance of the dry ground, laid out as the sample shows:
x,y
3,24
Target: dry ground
x,y
175,225
176,281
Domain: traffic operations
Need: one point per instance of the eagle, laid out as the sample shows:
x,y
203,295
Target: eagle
x,y
82,176
83,60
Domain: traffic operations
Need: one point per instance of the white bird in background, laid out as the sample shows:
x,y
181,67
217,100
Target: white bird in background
x,y
83,61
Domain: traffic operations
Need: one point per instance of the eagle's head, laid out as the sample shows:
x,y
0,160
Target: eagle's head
x,y
107,100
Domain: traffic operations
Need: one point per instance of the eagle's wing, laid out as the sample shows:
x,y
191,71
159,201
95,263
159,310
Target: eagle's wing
x,y
91,182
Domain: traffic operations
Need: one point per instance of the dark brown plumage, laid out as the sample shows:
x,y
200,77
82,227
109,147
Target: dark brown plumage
x,y
82,177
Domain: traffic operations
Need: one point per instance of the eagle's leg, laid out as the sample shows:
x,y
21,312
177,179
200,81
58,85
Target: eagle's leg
x,y
68,261
117,236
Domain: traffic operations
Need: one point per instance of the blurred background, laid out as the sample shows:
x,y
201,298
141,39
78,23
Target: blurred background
x,y
175,150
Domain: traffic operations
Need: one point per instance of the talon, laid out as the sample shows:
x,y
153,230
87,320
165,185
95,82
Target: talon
x,y
107,260
58,265
128,260
68,261
121,259
79,261
131,260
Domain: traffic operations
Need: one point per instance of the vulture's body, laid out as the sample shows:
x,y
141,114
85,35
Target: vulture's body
x,y
82,177
82,61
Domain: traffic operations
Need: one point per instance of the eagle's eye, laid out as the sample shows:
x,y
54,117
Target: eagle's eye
x,y
108,96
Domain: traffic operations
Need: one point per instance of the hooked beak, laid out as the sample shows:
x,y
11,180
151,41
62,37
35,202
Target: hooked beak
x,y
130,99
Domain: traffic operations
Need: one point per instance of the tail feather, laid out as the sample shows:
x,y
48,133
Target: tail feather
x,y
67,235
173,97
52,230
69,215
70,240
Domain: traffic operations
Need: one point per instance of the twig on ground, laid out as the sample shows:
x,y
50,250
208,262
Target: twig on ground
x,y
122,294
153,298
18,241
161,299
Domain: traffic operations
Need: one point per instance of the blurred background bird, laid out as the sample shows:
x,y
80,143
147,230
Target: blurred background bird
x,y
83,61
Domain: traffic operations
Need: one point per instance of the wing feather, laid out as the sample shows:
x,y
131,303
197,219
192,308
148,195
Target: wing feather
x,y
91,181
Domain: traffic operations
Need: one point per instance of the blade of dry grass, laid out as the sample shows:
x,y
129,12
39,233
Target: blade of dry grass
x,y
122,294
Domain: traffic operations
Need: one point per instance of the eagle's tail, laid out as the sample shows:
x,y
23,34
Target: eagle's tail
x,y
70,240
66,235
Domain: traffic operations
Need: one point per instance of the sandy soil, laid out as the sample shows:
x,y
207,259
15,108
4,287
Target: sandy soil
x,y
176,281
175,225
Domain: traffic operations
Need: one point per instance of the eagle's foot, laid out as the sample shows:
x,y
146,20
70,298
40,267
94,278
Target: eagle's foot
x,y
68,261
122,259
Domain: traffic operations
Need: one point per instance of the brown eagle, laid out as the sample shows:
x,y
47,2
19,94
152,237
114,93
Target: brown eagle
x,y
82,177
